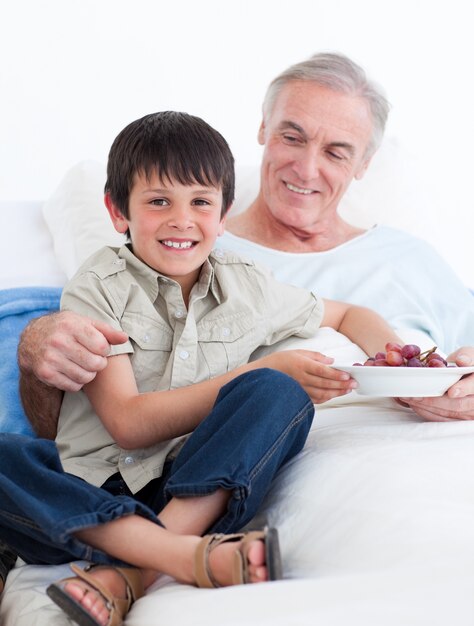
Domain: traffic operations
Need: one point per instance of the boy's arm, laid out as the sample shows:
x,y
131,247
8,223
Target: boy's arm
x,y
137,420
361,325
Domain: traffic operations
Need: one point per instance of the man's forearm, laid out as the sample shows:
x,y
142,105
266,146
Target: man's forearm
x,y
41,404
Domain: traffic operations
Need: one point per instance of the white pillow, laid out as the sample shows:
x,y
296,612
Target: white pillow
x,y
77,218
27,248
79,223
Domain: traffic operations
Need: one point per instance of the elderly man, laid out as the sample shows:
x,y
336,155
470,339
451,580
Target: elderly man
x,y
322,122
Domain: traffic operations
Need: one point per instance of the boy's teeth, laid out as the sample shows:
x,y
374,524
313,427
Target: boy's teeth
x,y
298,189
177,244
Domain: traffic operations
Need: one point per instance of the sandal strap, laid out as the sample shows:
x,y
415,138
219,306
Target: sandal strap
x,y
202,573
240,575
118,607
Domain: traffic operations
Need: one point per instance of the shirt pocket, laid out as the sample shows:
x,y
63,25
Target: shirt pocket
x,y
152,343
227,343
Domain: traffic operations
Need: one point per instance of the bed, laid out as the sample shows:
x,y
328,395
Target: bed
x,y
375,515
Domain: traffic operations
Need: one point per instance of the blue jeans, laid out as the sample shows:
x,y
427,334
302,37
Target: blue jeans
x,y
260,420
7,560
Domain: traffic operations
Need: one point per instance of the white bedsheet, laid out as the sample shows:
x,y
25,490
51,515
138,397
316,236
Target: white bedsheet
x,y
376,522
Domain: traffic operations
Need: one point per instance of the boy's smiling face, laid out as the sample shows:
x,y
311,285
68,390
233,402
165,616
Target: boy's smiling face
x,y
173,227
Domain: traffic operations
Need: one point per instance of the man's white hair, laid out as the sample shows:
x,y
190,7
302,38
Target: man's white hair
x,y
338,73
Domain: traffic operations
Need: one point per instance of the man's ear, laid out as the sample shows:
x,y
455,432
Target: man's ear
x,y
261,133
363,168
118,220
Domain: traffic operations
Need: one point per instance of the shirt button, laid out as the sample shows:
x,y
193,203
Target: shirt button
x,y
146,338
179,313
218,253
129,460
184,354
226,331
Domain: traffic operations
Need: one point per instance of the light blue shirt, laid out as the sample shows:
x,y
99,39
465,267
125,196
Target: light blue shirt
x,y
400,276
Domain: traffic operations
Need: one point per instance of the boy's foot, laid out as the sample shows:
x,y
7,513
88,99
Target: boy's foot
x,y
103,593
220,557
222,560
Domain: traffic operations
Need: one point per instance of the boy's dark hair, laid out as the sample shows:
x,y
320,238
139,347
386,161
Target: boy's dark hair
x,y
175,146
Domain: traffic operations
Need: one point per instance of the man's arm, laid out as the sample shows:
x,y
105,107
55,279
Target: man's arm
x,y
457,403
59,352
41,404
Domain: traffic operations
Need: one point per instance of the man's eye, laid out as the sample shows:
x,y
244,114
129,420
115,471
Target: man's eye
x,y
290,139
335,155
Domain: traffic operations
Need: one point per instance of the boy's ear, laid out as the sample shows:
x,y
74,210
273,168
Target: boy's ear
x,y
220,230
118,220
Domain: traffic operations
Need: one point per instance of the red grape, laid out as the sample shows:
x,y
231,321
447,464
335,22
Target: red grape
x,y
434,356
435,363
414,362
410,350
393,346
394,358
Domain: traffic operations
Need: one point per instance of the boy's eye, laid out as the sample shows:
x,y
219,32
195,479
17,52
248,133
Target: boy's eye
x,y
201,202
159,202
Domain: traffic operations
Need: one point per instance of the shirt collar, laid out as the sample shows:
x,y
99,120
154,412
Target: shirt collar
x,y
150,280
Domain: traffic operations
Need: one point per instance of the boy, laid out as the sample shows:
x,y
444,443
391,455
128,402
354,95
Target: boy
x,y
193,318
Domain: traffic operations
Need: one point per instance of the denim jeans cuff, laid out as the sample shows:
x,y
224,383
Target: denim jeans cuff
x,y
7,561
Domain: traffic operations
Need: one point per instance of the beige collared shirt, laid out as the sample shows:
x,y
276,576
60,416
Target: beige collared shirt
x,y
234,308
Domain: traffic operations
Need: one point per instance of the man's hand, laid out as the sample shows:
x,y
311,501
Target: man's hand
x,y
66,350
457,403
60,352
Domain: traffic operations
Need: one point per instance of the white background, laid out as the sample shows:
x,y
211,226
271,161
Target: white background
x,y
74,72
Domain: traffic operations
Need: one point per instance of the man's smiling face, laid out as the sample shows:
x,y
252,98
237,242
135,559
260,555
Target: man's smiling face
x,y
316,142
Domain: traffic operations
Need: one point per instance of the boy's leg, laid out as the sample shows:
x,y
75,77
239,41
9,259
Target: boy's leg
x,y
259,422
42,508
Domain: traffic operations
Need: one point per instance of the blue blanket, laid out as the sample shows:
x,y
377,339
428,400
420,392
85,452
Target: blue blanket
x,y
17,307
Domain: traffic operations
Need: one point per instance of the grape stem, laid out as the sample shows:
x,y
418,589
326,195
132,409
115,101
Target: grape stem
x,y
424,355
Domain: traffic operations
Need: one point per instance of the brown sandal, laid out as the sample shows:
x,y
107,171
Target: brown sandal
x,y
118,607
240,576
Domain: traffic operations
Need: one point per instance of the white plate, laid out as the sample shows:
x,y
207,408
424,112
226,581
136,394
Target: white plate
x,y
404,382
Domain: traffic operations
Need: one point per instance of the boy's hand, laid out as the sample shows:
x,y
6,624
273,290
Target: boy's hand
x,y
312,370
66,350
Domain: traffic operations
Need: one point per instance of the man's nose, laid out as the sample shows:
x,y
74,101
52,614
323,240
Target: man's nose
x,y
308,163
